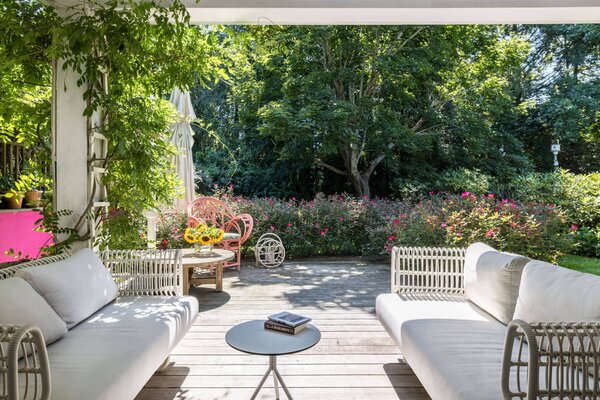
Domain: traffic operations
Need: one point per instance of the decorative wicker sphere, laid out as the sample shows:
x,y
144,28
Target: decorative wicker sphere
x,y
269,251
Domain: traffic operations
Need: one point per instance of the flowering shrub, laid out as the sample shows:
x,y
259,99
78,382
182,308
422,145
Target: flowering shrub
x,y
170,230
344,225
532,229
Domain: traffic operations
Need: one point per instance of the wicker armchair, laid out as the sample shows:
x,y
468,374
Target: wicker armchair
x,y
136,272
540,361
212,211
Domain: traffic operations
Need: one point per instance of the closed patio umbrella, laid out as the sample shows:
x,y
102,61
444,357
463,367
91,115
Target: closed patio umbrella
x,y
182,136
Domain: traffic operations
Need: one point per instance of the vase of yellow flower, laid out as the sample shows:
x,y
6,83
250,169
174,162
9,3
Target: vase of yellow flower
x,y
202,237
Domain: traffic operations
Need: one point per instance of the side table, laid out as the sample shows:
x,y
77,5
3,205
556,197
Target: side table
x,y
251,337
191,260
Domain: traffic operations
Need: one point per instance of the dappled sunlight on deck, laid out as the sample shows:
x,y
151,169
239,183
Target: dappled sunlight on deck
x,y
355,359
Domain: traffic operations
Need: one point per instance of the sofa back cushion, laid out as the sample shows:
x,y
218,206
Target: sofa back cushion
x,y
549,293
75,288
21,305
492,280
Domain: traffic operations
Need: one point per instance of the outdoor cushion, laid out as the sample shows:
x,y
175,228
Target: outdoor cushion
x,y
123,343
21,305
492,280
394,310
75,288
231,236
456,359
550,293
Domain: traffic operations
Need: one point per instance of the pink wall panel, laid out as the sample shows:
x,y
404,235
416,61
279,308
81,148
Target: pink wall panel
x,y
17,232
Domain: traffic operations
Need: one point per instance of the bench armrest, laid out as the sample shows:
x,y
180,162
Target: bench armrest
x,y
427,270
145,272
551,360
33,369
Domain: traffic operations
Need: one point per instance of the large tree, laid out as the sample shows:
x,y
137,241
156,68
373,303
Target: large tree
x,y
353,96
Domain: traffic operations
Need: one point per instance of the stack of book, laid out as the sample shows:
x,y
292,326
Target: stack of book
x,y
286,322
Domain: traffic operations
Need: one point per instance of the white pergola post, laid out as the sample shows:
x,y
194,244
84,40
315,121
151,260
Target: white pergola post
x,y
69,146
77,151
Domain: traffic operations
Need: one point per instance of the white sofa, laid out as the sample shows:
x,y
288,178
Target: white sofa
x,y
470,322
99,326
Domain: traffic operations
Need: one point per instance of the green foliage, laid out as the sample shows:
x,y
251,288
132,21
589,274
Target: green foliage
x,y
577,194
464,180
587,241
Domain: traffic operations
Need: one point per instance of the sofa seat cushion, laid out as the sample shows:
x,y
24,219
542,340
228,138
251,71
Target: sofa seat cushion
x,y
456,359
112,354
393,310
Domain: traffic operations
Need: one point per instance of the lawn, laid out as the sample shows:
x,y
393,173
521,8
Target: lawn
x,y
583,264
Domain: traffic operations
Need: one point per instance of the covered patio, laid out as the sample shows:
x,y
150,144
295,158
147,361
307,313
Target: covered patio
x,y
355,359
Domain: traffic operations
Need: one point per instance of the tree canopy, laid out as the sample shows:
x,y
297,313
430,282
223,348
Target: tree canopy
x,y
385,110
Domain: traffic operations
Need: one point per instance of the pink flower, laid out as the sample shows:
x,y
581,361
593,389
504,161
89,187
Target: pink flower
x,y
293,199
464,195
443,225
491,196
393,237
272,228
289,225
551,205
490,233
395,222
341,218
322,233
366,197
431,193
574,227
458,234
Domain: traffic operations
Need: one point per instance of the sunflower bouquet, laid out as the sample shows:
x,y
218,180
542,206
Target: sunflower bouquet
x,y
203,235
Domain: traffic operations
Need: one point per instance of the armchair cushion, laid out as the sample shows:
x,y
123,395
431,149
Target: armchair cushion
x,y
549,293
75,288
492,280
21,305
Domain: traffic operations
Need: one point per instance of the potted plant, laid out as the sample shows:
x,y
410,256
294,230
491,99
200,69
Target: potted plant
x,y
13,192
34,189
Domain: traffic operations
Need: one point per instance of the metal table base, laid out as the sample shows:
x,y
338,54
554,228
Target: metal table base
x,y
277,379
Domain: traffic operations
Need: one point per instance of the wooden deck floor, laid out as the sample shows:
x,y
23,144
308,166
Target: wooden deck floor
x,y
354,360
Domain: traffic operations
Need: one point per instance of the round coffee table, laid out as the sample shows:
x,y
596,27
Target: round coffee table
x,y
191,260
251,337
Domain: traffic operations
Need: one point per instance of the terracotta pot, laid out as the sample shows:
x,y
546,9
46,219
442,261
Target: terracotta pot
x,y
13,202
33,198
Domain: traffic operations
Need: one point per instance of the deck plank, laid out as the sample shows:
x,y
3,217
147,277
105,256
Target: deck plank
x,y
355,359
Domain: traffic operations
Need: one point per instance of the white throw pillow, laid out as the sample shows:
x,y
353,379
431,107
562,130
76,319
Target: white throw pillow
x,y
21,305
75,288
492,280
550,293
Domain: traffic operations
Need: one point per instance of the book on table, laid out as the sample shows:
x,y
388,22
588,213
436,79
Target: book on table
x,y
289,319
275,326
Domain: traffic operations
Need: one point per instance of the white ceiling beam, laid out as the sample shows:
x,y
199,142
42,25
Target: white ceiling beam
x,y
393,12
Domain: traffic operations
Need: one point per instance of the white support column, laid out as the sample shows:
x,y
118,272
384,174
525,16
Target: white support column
x,y
70,147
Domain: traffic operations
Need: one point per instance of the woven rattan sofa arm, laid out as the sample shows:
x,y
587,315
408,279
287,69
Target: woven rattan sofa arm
x,y
427,270
145,272
552,360
33,370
